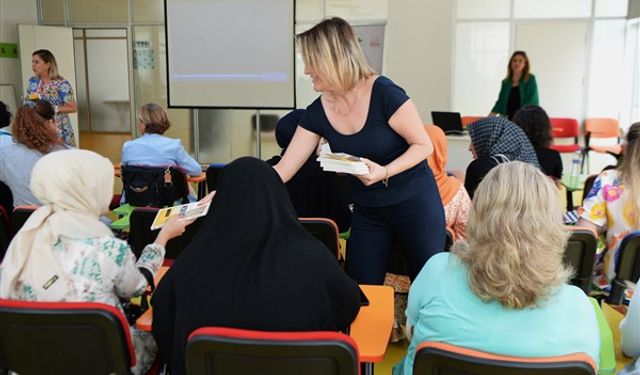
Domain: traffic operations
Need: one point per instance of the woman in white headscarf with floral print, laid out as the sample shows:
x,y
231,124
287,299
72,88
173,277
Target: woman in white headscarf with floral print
x,y
64,253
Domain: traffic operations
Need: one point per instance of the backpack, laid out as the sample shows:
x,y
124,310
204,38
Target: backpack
x,y
154,186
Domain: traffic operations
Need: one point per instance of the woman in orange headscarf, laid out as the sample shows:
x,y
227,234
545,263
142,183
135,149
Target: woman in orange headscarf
x,y
455,198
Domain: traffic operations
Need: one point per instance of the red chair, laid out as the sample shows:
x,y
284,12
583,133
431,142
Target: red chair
x,y
20,216
215,350
6,231
562,127
439,358
64,338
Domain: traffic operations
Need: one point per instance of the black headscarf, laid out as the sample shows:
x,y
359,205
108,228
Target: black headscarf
x,y
252,266
493,136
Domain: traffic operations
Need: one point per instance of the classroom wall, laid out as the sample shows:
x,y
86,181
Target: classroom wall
x,y
13,13
419,51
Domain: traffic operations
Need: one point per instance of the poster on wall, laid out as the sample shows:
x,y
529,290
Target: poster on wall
x,y
371,38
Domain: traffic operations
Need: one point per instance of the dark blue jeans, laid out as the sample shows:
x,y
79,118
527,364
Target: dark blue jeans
x,y
417,223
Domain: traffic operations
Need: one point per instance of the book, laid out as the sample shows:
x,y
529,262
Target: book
x,y
342,163
189,210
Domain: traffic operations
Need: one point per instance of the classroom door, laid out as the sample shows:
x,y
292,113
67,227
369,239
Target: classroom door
x,y
58,40
559,61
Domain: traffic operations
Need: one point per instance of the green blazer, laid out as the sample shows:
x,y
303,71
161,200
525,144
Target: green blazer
x,y
528,94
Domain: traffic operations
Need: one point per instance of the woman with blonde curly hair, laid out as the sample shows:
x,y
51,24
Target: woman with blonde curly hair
x,y
504,290
35,134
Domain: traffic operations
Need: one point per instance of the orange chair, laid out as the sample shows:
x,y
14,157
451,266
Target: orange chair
x,y
602,128
324,230
440,358
466,120
562,127
215,350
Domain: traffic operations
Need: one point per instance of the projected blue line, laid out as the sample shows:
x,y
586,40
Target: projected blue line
x,y
271,77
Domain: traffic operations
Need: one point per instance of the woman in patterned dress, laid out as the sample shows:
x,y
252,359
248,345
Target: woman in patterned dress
x,y
64,253
47,84
613,204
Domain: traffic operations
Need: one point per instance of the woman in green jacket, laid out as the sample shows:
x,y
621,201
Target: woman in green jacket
x,y
518,89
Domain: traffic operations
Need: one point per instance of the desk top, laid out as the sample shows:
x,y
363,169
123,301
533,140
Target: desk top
x,y
614,317
371,329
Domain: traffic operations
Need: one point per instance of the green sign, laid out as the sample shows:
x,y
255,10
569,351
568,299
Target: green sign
x,y
9,50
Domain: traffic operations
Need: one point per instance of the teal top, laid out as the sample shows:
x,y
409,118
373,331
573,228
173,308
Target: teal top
x,y
443,308
528,94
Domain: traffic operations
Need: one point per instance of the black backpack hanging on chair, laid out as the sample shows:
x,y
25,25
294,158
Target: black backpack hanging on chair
x,y
154,186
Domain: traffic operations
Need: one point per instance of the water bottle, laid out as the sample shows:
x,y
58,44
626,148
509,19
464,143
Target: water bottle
x,y
574,177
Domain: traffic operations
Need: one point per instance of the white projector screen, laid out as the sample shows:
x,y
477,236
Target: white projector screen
x,y
230,53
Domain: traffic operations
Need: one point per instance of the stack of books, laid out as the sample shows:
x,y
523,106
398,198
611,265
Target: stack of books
x,y
342,163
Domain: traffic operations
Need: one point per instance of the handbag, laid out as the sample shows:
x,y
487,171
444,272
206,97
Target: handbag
x,y
133,311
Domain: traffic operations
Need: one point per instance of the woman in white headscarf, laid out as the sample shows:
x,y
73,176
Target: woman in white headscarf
x,y
64,253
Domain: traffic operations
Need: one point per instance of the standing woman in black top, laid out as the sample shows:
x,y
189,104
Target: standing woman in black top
x,y
518,89
367,115
537,126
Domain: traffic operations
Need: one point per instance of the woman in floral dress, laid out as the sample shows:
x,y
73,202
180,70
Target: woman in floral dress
x,y
613,204
48,85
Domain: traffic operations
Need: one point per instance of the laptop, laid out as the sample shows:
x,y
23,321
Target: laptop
x,y
449,122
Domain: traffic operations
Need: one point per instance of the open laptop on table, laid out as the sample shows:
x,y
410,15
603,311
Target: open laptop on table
x,y
449,122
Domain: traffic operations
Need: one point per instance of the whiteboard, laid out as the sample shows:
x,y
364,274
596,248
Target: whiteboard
x,y
8,97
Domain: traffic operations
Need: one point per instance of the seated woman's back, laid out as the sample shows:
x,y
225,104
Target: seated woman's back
x,y
253,266
154,149
504,290
35,134
495,140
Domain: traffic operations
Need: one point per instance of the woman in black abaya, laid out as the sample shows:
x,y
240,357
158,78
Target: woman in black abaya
x,y
251,266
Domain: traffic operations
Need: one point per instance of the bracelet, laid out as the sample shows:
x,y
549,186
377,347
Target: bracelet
x,y
385,180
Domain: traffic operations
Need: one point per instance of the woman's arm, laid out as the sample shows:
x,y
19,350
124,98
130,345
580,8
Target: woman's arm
x,y
68,101
630,327
302,145
407,123
70,107
582,222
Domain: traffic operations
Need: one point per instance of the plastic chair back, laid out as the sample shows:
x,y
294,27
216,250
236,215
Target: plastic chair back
x,y
563,127
6,232
466,120
445,359
324,230
627,266
64,338
20,216
580,255
140,233
213,350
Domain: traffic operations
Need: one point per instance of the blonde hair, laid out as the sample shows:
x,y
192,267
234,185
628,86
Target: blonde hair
x,y
630,170
332,51
154,118
515,241
46,56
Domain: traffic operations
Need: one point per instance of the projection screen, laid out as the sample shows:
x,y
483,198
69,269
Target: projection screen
x,y
230,53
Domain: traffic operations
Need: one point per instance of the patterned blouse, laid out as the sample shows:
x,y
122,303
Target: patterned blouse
x,y
456,214
101,269
57,92
607,206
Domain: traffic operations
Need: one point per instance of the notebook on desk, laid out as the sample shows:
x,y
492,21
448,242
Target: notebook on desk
x,y
449,122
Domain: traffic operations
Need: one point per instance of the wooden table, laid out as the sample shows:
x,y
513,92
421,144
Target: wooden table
x,y
370,330
614,315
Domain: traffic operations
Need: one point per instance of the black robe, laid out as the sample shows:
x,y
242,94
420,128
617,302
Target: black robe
x,y
252,266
